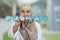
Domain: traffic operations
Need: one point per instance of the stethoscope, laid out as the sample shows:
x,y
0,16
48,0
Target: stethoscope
x,y
26,19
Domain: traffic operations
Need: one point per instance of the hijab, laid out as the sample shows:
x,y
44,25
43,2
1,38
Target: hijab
x,y
28,29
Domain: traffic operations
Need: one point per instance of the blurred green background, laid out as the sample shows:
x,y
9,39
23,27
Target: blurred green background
x,y
46,36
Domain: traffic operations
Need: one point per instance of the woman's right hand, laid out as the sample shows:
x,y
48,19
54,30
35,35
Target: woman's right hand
x,y
17,24
15,28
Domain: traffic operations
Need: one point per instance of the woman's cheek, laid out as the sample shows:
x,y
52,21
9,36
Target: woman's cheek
x,y
22,14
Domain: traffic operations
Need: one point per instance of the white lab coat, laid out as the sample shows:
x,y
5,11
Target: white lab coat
x,y
18,36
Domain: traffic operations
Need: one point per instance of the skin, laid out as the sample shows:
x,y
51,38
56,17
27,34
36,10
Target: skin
x,y
24,11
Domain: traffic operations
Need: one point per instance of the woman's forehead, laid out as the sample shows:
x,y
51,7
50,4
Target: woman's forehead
x,y
25,7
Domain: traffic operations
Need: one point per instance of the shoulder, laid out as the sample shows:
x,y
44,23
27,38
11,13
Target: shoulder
x,y
37,25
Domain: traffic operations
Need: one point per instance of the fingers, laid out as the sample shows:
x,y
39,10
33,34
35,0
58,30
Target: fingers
x,y
17,24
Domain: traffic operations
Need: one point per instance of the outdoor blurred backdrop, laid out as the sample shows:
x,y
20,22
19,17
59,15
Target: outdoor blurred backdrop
x,y
50,8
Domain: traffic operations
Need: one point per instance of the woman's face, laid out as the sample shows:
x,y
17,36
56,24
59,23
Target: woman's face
x,y
25,10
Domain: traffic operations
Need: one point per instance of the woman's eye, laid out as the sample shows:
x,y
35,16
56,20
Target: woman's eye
x,y
27,11
23,11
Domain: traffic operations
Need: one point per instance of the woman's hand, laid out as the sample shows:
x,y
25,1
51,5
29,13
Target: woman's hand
x,y
15,28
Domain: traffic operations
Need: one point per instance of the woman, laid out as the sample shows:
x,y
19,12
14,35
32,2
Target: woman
x,y
22,30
